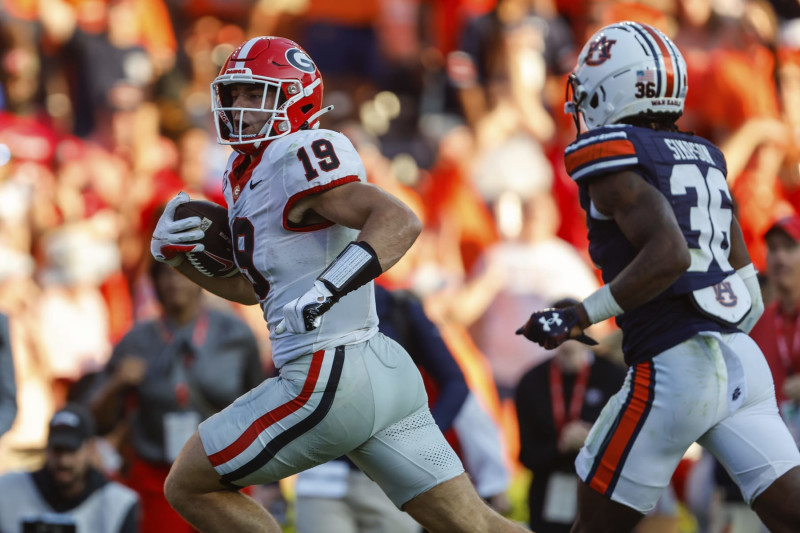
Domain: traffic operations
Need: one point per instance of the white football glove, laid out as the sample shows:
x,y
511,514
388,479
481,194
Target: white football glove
x,y
173,238
305,313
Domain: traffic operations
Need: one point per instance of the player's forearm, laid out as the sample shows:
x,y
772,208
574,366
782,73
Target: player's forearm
x,y
652,271
739,255
235,288
657,266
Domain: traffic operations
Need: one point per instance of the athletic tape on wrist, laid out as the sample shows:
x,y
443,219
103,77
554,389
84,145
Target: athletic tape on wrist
x,y
357,265
601,305
750,277
748,271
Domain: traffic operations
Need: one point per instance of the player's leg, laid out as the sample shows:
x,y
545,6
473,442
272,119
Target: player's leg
x,y
283,426
756,448
454,506
599,514
194,490
642,433
373,510
778,505
410,459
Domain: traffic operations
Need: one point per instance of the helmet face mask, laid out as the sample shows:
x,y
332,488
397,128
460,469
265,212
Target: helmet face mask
x,y
267,88
626,69
258,115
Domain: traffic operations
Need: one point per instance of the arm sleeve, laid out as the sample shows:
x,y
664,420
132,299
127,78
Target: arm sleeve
x,y
8,387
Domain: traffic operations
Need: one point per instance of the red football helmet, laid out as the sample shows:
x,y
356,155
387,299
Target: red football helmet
x,y
284,89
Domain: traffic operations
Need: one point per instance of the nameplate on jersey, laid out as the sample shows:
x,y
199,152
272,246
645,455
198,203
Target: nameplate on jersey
x,y
727,301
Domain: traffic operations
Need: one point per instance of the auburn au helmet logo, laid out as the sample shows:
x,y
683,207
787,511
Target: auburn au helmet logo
x,y
599,51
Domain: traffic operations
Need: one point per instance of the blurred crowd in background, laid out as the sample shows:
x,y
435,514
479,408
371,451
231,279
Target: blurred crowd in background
x,y
454,105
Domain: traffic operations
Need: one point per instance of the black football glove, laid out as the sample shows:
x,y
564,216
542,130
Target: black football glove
x,y
549,328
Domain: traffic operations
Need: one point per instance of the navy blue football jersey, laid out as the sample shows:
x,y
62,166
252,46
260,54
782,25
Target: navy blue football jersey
x,y
690,173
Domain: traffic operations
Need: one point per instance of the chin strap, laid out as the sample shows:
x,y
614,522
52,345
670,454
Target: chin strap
x,y
315,116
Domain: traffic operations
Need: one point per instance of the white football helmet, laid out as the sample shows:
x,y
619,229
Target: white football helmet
x,y
626,69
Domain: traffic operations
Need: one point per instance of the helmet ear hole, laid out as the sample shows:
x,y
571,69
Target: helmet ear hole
x,y
595,101
306,108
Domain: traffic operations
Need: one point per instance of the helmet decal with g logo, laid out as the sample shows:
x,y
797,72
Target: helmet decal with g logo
x,y
299,60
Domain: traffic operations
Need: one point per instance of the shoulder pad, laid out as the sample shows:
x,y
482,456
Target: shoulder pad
x,y
601,151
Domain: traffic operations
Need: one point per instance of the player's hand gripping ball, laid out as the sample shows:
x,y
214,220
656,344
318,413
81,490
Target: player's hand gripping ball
x,y
216,257
172,239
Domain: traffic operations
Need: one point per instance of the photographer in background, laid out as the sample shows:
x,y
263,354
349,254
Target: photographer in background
x,y
67,495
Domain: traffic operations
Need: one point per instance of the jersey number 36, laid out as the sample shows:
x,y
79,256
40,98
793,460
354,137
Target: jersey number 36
x,y
709,217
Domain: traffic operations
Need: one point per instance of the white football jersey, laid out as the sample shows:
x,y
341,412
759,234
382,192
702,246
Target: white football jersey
x,y
283,260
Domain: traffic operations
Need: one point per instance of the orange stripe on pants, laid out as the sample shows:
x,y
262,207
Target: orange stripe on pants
x,y
610,459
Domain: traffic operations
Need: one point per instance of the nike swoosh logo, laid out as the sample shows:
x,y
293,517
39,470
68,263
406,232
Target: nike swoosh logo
x,y
254,183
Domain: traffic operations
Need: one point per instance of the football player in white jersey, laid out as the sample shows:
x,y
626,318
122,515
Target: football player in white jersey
x,y
309,236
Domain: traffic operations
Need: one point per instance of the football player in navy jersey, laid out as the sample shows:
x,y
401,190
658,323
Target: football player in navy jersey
x,y
681,285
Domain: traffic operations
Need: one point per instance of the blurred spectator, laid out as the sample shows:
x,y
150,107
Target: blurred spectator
x,y
454,209
21,446
342,39
166,376
501,68
8,383
529,266
748,123
20,77
557,401
132,39
778,331
68,494
699,30
71,310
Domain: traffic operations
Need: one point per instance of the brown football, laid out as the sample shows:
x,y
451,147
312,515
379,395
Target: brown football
x,y
217,258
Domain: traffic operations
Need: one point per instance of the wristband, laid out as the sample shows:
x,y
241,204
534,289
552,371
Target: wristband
x,y
357,265
601,305
750,277
747,272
